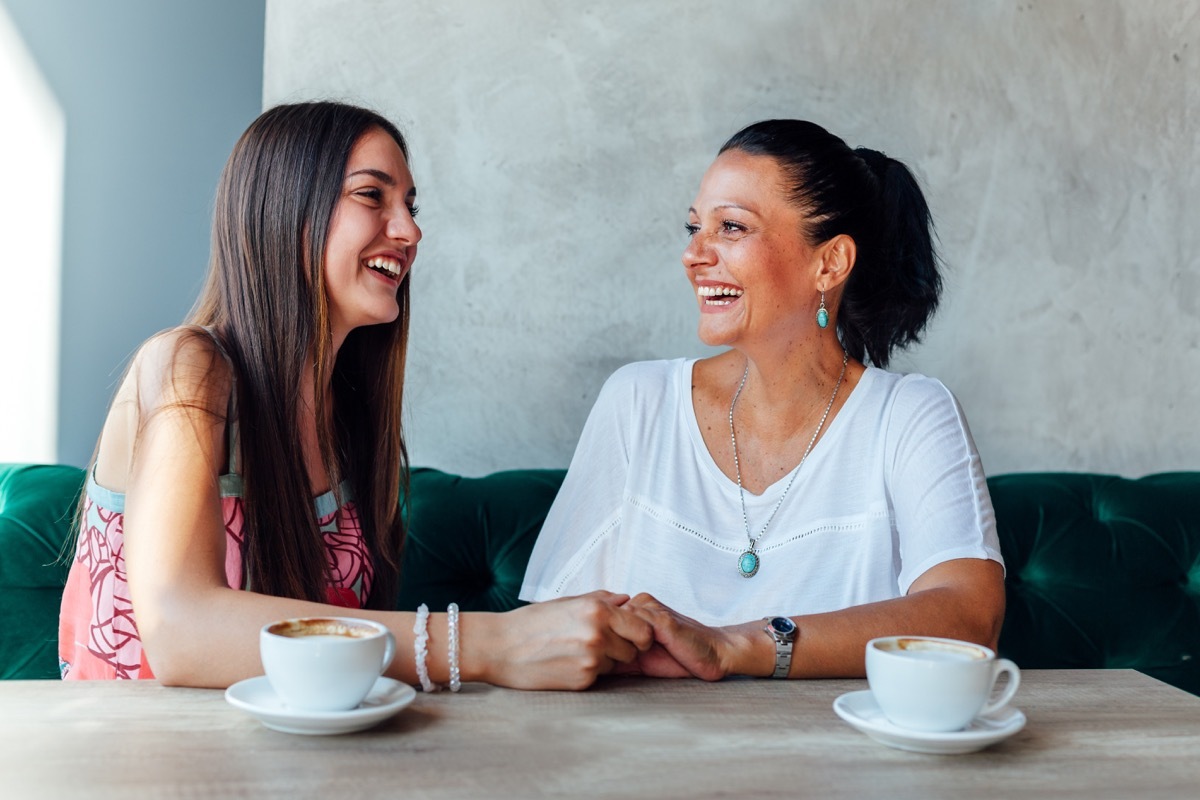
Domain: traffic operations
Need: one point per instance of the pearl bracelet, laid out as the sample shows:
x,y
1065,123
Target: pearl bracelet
x,y
420,648
452,623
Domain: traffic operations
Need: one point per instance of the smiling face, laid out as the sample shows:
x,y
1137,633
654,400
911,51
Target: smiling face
x,y
754,272
373,236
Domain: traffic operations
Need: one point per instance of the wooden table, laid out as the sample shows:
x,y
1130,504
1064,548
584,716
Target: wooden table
x,y
1091,733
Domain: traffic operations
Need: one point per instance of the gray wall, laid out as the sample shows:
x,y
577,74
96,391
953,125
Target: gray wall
x,y
155,95
557,146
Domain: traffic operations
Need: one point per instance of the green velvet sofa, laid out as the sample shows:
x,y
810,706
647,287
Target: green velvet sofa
x,y
1102,571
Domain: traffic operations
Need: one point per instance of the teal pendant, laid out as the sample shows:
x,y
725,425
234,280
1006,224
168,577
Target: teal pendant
x,y
748,564
822,317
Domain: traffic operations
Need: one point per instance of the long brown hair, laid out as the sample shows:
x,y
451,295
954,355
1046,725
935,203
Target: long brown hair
x,y
264,300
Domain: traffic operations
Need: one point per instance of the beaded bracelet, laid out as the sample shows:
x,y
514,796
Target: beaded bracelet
x,y
452,623
420,651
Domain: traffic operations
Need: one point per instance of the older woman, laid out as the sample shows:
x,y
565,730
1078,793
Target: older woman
x,y
784,479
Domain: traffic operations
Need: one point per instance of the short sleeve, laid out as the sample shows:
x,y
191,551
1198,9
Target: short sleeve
x,y
938,489
588,506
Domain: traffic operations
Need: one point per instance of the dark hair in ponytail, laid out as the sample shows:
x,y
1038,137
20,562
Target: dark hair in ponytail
x,y
894,287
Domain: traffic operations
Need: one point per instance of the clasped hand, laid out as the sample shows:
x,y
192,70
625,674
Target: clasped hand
x,y
568,642
682,647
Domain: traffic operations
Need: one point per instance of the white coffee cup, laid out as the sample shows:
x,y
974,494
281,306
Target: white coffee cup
x,y
928,684
325,663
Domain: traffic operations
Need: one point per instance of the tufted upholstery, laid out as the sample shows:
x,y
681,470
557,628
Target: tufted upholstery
x,y
1102,571
469,539
37,504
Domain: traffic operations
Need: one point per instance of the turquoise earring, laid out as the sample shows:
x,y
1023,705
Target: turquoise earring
x,y
822,314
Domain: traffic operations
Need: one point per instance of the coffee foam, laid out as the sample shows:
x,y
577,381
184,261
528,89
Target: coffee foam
x,y
297,628
918,647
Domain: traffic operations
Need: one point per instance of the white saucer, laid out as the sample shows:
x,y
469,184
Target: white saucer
x,y
256,696
861,711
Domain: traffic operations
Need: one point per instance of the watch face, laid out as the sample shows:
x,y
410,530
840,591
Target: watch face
x,y
783,625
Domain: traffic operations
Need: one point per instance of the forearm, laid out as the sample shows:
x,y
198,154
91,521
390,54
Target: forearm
x,y
833,644
210,637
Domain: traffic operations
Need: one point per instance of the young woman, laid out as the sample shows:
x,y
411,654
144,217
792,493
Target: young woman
x,y
251,464
784,479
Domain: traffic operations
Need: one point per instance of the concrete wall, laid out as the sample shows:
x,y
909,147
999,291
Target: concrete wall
x,y
558,145
154,94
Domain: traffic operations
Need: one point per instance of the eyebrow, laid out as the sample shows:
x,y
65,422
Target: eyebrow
x,y
692,210
380,176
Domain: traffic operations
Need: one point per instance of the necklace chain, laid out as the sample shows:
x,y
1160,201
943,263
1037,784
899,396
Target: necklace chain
x,y
748,562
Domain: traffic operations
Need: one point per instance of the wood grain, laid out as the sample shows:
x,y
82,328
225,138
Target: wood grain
x,y
1091,733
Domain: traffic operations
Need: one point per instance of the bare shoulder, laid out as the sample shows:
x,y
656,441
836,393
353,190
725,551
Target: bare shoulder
x,y
181,367
180,370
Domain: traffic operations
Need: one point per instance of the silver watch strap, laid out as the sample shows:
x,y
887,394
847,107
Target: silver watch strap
x,y
783,658
783,647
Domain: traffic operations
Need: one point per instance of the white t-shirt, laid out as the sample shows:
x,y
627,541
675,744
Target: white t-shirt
x,y
893,487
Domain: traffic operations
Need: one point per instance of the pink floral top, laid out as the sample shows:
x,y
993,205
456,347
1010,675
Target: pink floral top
x,y
98,636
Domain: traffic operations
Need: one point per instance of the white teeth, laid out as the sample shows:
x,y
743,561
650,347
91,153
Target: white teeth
x,y
718,291
388,265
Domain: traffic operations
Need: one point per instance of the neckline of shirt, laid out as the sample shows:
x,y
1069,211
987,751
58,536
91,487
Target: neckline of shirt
x,y
770,494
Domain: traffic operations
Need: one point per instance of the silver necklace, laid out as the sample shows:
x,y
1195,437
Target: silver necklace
x,y
749,561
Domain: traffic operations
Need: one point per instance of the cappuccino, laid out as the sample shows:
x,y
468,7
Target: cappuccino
x,y
932,649
928,684
325,663
320,626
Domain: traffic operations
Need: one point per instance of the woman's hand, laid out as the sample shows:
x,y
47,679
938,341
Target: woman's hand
x,y
559,644
653,663
684,647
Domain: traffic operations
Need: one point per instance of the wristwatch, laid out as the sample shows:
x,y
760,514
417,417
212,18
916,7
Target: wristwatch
x,y
783,631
